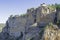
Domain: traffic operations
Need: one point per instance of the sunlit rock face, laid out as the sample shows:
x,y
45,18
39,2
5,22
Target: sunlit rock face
x,y
52,32
44,15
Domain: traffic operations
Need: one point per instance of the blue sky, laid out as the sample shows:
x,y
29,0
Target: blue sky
x,y
17,7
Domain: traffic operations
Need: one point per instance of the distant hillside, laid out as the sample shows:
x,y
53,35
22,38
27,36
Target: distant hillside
x,y
1,26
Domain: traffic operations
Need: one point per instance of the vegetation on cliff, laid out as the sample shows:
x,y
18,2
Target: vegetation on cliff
x,y
1,26
54,6
57,6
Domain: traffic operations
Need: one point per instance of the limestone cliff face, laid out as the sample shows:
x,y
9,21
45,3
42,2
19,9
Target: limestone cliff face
x,y
52,32
16,25
31,25
41,15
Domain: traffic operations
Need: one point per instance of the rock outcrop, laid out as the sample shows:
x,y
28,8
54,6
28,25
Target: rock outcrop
x,y
52,32
31,26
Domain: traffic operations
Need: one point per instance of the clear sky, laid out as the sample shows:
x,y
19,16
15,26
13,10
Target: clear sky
x,y
14,7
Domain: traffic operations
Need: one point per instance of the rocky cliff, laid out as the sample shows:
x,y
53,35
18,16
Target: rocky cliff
x,y
52,32
32,25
